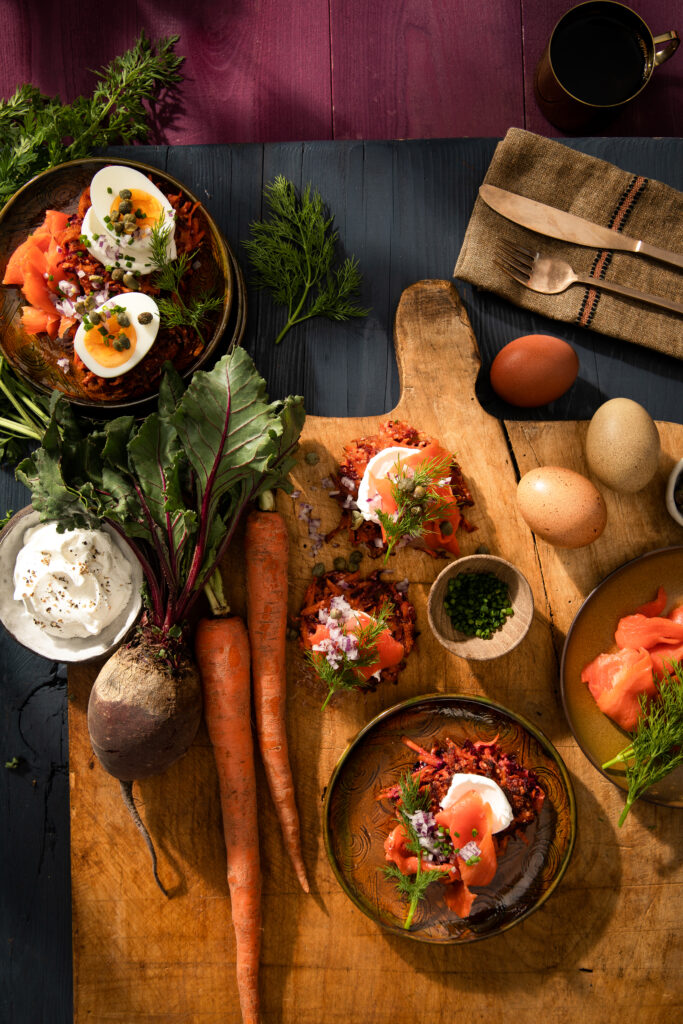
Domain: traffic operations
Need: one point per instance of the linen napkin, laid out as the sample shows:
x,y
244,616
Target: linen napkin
x,y
552,173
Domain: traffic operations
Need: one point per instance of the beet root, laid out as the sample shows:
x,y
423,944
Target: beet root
x,y
143,715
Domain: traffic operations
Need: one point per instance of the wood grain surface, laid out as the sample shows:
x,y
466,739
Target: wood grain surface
x,y
328,69
607,933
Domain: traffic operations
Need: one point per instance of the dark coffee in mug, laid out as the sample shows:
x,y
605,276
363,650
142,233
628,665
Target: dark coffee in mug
x,y
599,58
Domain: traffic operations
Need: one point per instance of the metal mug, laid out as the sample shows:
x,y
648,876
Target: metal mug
x,y
600,55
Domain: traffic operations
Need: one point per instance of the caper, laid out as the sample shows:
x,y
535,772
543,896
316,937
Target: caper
x,y
481,550
130,224
118,345
406,483
114,216
312,458
95,318
129,280
446,528
125,341
80,308
90,302
125,193
117,275
340,563
96,280
355,558
318,569
419,492
125,206
118,229
357,519
123,319
145,318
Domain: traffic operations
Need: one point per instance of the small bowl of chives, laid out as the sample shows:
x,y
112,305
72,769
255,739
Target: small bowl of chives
x,y
480,607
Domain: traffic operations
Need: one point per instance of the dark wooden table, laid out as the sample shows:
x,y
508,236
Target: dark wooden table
x,y
402,208
455,73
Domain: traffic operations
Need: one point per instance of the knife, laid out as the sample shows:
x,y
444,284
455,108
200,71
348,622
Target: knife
x,y
567,226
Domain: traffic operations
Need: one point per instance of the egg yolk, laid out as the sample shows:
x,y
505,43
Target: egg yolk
x,y
146,209
101,347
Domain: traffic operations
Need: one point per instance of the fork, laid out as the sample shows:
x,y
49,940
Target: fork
x,y
551,276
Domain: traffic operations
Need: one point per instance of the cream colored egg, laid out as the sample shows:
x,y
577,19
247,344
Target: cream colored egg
x,y
622,445
561,506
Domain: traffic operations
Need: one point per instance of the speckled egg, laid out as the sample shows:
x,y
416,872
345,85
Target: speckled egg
x,y
622,445
561,506
534,370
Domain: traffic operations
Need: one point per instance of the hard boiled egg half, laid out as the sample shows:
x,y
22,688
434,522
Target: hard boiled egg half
x,y
115,336
126,206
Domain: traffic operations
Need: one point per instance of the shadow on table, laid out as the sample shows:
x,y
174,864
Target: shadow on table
x,y
560,934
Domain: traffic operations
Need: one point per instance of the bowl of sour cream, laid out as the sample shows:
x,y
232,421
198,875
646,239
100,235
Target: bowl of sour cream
x,y
68,596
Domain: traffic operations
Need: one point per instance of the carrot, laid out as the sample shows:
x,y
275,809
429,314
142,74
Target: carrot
x,y
222,653
266,552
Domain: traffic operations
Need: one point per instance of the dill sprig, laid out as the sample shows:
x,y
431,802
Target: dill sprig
x,y
417,502
39,131
657,744
292,256
345,674
414,888
176,311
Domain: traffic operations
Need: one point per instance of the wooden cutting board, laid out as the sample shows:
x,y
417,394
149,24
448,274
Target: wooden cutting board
x,y
606,936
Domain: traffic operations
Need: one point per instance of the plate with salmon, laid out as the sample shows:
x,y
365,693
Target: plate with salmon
x,y
449,818
624,639
107,270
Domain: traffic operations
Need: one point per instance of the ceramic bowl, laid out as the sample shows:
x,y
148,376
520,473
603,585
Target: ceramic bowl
x,y
21,625
36,357
592,633
503,640
675,486
356,821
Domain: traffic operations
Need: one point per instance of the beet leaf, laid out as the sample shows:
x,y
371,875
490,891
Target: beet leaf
x,y
176,484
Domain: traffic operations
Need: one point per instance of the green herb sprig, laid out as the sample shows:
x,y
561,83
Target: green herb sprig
x,y
414,888
657,744
345,676
176,311
417,503
293,253
24,414
39,131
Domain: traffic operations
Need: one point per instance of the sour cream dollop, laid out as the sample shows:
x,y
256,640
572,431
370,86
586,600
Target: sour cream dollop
x,y
490,793
73,584
383,464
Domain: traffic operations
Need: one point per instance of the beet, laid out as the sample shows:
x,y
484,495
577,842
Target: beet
x,y
143,714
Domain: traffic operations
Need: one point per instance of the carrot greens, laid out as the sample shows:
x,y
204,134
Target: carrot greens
x,y
657,744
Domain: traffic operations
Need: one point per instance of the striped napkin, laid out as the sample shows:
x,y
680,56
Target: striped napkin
x,y
552,173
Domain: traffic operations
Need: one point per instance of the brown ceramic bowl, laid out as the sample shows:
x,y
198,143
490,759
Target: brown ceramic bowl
x,y
592,633
35,357
503,640
21,625
356,822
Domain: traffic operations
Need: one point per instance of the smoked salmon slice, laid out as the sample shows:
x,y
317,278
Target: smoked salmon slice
x,y
638,630
469,822
438,534
616,682
654,607
389,651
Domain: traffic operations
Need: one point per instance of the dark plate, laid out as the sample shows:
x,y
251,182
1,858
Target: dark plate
x,y
35,357
356,824
591,633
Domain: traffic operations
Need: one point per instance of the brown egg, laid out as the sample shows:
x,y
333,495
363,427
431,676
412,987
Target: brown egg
x,y
534,370
561,506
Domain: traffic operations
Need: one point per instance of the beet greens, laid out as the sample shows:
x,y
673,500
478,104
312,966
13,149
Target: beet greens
x,y
175,485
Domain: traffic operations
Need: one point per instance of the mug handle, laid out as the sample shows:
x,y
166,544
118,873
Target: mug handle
x,y
672,39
